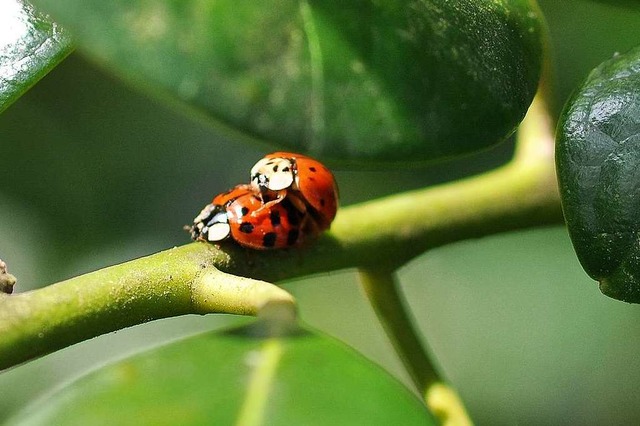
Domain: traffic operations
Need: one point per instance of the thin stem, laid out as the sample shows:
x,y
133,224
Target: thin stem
x,y
445,403
381,288
383,292
174,282
535,142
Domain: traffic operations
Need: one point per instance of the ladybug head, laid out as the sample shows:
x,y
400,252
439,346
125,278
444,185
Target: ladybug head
x,y
212,224
273,174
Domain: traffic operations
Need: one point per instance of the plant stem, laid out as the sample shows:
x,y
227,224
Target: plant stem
x,y
393,230
174,282
381,288
383,292
7,281
383,233
444,402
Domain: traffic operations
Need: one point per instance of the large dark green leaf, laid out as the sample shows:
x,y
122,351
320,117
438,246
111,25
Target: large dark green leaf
x,y
236,377
30,46
598,161
632,4
387,81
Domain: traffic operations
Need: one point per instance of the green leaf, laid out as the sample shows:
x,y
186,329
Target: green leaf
x,y
30,46
236,377
598,162
379,81
631,4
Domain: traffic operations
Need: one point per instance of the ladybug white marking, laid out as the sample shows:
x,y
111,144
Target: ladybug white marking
x,y
214,228
218,231
274,174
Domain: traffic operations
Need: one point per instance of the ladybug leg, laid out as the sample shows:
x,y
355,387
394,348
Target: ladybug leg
x,y
273,200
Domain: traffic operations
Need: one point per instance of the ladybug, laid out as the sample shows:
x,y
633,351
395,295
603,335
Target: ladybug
x,y
240,214
305,180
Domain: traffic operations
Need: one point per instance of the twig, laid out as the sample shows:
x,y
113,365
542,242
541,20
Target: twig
x,y
174,282
384,233
382,290
7,281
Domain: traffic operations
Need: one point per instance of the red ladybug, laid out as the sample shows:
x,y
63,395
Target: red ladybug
x,y
284,174
241,214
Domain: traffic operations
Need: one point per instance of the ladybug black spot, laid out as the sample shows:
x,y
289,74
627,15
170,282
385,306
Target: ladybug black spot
x,y
312,169
292,237
269,239
322,202
275,168
286,169
274,216
246,227
244,211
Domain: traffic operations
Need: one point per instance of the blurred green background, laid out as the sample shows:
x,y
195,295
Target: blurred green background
x,y
513,321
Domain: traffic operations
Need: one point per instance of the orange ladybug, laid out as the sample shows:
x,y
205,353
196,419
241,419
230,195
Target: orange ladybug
x,y
241,214
309,184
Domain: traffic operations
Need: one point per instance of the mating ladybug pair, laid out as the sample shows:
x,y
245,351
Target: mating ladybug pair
x,y
291,197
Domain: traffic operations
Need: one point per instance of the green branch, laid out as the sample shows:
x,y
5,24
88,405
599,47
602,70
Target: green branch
x,y
174,282
381,288
390,231
534,148
384,294
384,233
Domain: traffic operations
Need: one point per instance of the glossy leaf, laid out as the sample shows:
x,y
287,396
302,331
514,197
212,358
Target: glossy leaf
x,y
30,46
386,81
598,161
236,377
631,4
